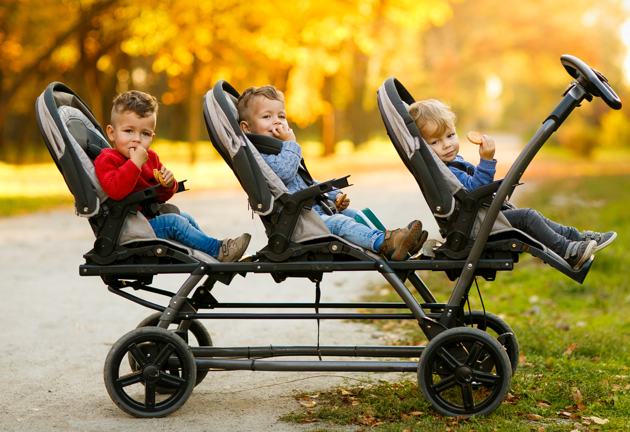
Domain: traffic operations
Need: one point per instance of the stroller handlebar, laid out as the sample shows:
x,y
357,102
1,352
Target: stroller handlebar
x,y
594,81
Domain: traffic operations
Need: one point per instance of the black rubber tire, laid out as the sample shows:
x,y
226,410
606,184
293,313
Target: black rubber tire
x,y
497,328
151,347
451,375
197,329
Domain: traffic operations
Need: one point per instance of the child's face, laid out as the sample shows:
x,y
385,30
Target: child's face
x,y
130,131
266,115
446,145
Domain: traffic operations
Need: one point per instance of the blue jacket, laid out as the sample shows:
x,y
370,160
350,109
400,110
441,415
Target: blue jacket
x,y
484,173
286,163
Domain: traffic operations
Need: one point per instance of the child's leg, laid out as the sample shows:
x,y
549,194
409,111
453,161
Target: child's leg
x,y
533,223
175,227
190,219
351,230
568,233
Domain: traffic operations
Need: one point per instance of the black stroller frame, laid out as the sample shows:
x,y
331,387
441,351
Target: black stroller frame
x,y
463,371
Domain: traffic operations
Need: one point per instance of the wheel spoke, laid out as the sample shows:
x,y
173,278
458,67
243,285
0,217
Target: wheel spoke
x,y
169,380
486,378
164,355
129,379
149,395
474,354
444,384
467,397
450,361
137,355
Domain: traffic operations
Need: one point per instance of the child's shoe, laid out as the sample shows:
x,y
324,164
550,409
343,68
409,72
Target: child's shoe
x,y
602,240
578,252
233,249
421,241
398,242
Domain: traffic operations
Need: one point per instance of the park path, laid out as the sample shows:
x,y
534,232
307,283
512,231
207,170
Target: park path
x,y
59,326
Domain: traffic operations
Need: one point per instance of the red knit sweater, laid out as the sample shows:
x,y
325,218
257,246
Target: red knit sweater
x,y
119,176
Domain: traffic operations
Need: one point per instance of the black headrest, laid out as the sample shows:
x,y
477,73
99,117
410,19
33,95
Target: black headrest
x,y
265,144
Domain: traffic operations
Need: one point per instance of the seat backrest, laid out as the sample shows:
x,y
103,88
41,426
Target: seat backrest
x,y
433,177
74,139
264,188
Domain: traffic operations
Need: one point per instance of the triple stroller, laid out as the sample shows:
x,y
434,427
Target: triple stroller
x,y
151,371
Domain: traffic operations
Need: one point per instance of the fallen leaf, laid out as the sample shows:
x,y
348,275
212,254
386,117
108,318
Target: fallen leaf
x,y
571,348
594,359
450,429
355,403
540,429
577,395
310,404
598,420
586,422
565,414
543,404
345,392
581,406
416,413
533,417
305,420
570,408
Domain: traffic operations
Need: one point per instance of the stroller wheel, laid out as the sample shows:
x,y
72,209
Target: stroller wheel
x,y
200,338
464,372
152,348
497,328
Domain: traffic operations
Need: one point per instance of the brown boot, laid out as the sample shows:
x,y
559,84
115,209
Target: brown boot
x,y
398,243
231,250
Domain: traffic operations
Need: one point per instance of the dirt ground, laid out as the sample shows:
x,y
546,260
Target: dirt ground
x,y
60,326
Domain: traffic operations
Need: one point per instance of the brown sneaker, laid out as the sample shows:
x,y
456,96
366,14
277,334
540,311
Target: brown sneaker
x,y
418,248
233,249
398,242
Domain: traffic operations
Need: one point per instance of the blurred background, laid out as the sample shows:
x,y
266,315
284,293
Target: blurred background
x,y
495,61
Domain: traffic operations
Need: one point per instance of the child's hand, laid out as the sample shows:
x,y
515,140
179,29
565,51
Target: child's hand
x,y
486,149
138,156
168,177
283,133
344,203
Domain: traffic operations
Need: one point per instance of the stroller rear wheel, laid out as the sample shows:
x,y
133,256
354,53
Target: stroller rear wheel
x,y
464,372
196,329
151,348
497,328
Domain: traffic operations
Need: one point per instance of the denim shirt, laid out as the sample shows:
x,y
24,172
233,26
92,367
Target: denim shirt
x,y
484,173
286,163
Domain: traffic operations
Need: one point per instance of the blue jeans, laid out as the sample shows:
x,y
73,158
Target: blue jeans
x,y
553,235
344,225
185,230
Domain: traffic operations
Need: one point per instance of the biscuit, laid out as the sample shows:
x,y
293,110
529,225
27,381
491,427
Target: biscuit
x,y
474,137
340,199
158,177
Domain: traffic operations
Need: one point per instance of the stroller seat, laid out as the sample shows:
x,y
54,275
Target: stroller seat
x,y
123,234
294,229
458,212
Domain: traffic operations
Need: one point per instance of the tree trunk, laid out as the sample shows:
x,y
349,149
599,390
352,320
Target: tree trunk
x,y
194,113
357,114
329,130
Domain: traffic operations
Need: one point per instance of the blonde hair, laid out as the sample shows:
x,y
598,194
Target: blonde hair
x,y
246,98
434,112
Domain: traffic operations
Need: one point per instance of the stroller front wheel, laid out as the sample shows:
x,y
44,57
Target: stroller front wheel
x,y
153,350
464,372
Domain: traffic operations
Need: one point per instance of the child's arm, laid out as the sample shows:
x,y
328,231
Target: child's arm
x,y
484,174
286,163
118,177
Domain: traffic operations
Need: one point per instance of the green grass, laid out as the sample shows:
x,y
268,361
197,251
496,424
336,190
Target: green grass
x,y
11,206
548,313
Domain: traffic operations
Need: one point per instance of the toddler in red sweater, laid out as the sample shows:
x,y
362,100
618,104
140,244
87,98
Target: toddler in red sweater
x,y
129,167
